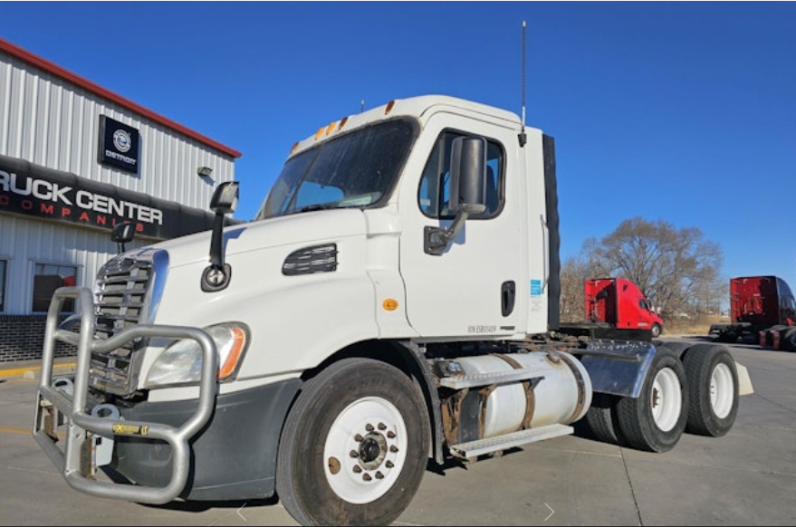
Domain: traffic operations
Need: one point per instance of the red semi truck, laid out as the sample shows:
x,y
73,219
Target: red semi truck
x,y
619,302
762,307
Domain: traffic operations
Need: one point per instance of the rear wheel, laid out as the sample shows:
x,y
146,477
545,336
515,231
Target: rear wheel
x,y
656,420
355,446
713,385
788,341
602,419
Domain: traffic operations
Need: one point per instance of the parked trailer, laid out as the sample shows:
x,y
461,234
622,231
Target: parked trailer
x,y
360,324
763,308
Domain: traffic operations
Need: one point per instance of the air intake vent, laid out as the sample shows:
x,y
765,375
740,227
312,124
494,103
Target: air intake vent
x,y
317,259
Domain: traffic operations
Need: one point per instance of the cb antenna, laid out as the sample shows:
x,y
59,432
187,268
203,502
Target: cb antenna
x,y
523,137
362,106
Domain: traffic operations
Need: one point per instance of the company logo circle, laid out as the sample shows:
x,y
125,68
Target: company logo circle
x,y
122,141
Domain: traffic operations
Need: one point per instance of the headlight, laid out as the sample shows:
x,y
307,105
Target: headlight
x,y
181,363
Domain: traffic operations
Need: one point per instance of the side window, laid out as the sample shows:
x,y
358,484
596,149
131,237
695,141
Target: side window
x,y
643,304
46,279
3,267
434,191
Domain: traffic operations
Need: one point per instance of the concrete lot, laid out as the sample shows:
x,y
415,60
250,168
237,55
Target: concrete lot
x,y
746,478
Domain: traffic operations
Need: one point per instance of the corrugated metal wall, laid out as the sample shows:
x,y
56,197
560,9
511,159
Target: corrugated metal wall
x,y
48,121
25,242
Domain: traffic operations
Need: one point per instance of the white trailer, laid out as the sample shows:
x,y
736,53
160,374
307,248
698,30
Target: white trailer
x,y
395,299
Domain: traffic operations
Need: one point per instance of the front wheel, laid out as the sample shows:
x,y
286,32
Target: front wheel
x,y
355,446
657,419
656,330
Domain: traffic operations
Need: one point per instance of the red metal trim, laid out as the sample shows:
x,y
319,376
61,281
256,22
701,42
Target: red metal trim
x,y
91,87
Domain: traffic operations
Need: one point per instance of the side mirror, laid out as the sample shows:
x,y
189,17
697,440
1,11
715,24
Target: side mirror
x,y
122,235
468,191
218,274
225,198
468,175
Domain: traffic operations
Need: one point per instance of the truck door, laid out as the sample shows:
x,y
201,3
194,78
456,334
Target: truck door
x,y
477,288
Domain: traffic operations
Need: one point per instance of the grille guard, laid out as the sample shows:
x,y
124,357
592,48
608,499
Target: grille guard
x,y
76,462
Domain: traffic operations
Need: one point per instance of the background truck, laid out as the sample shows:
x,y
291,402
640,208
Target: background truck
x,y
619,302
762,307
396,298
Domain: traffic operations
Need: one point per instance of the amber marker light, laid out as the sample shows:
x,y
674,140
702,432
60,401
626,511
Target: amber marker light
x,y
390,304
389,107
342,123
238,344
295,147
330,128
320,132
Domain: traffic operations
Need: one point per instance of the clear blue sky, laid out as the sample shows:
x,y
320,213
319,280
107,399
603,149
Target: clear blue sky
x,y
680,111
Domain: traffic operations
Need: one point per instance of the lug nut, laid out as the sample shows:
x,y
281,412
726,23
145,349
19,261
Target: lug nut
x,y
369,428
390,435
357,469
366,477
394,449
389,464
379,475
382,426
358,438
354,454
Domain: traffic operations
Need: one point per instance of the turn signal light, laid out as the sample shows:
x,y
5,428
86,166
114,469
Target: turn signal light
x,y
238,343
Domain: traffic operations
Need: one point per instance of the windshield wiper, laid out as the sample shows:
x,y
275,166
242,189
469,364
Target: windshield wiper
x,y
319,206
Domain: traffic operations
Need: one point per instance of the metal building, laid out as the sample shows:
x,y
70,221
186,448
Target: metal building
x,y
75,160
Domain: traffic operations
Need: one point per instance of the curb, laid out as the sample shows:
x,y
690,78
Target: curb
x,y
33,372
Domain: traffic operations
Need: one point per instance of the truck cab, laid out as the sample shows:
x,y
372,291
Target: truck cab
x,y
396,295
619,302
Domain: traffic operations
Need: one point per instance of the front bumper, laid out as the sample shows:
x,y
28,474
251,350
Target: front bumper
x,y
77,461
233,458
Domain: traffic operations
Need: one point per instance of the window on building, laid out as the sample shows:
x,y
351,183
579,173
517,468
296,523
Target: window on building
x,y
434,193
3,266
46,279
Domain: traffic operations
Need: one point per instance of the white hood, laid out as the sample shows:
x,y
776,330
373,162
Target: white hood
x,y
306,228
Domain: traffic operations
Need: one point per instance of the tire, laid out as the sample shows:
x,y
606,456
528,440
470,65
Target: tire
x,y
657,419
602,419
675,348
354,447
713,385
788,341
656,330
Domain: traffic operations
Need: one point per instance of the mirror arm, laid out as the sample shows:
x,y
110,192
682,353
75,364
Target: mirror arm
x,y
438,239
216,242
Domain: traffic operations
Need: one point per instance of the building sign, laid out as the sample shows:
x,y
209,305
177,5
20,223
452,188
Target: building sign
x,y
119,145
34,190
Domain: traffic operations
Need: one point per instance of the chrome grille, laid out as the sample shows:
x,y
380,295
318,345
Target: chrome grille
x,y
120,297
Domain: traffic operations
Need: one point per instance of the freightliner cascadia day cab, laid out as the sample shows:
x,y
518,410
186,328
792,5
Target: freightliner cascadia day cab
x,y
619,302
395,299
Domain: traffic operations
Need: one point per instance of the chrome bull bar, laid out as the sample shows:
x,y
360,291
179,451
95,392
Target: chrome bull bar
x,y
76,462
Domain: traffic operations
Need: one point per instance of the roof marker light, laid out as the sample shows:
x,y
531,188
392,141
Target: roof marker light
x,y
295,147
320,132
342,123
389,107
330,128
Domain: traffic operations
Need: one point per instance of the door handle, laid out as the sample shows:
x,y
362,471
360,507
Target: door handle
x,y
508,296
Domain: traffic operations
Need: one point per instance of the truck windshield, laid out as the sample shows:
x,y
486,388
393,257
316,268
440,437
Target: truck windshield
x,y
358,169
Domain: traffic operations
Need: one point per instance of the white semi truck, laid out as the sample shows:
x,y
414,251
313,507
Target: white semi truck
x,y
395,299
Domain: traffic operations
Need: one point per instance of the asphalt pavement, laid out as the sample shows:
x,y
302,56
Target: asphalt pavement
x,y
745,478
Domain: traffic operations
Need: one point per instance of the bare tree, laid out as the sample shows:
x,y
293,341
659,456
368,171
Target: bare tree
x,y
672,267
574,271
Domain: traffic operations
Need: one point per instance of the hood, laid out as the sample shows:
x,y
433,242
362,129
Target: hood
x,y
306,227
